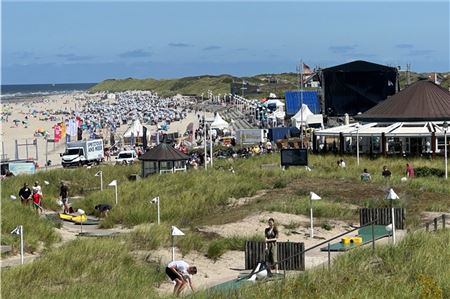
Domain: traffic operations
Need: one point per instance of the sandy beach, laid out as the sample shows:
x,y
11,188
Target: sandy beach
x,y
14,129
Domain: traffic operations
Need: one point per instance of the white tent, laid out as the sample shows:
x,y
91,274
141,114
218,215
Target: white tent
x,y
279,111
219,123
309,118
135,129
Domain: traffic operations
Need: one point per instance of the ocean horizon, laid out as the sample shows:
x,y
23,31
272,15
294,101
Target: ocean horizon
x,y
14,91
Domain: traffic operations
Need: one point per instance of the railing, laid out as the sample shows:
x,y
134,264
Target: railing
x,y
435,222
372,223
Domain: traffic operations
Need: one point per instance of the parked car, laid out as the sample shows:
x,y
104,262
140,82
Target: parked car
x,y
126,157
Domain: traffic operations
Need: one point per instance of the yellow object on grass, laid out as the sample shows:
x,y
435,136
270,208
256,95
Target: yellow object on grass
x,y
73,218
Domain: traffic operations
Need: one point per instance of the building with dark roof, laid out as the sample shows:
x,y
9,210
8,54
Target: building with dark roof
x,y
356,86
163,158
421,101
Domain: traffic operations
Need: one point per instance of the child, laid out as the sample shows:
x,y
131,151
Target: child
x,y
37,202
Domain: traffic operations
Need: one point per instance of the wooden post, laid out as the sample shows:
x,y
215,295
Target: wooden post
x,y
314,142
435,220
443,221
329,257
383,144
433,145
341,143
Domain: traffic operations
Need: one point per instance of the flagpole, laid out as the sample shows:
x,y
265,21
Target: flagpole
x,y
21,244
301,106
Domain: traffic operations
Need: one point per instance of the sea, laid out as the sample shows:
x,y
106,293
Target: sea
x,y
20,91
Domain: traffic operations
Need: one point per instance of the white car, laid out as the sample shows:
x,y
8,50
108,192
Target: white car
x,y
126,157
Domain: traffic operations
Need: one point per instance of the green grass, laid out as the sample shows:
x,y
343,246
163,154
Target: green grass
x,y
92,268
416,268
187,201
221,84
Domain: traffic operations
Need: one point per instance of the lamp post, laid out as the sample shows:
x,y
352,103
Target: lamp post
x,y
210,145
114,184
205,131
445,126
312,196
100,174
392,196
19,231
357,144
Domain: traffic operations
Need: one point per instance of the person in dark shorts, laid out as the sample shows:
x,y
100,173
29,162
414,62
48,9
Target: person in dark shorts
x,y
103,209
25,194
271,234
386,172
64,195
180,272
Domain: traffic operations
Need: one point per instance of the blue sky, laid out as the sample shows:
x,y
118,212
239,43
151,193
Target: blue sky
x,y
67,42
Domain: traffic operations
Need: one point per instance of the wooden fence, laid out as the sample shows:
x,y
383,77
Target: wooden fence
x,y
383,216
255,252
443,219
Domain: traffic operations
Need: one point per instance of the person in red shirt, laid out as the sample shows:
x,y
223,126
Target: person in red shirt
x,y
37,202
409,170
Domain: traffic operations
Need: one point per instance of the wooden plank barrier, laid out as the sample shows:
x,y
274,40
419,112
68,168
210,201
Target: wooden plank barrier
x,y
255,252
270,166
383,216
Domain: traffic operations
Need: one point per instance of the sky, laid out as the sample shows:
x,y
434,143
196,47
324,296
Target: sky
x,y
81,42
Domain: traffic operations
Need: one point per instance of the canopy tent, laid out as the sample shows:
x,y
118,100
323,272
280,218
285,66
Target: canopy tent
x,y
219,123
278,112
309,119
135,130
134,134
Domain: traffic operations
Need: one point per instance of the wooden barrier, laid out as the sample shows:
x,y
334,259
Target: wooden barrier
x,y
383,216
255,252
270,166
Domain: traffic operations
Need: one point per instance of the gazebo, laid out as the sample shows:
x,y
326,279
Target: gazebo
x,y
163,158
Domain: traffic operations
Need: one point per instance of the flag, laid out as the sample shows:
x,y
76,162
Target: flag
x,y
16,231
176,231
113,183
314,196
144,138
306,69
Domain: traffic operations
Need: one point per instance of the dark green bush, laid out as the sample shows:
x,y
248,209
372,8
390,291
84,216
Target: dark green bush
x,y
428,171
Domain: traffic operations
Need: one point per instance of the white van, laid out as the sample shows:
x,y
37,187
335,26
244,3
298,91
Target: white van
x,y
126,157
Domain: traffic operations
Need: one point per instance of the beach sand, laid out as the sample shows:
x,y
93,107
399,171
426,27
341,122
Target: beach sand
x,y
24,133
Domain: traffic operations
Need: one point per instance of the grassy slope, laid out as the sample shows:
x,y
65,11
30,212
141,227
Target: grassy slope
x,y
416,268
221,84
189,200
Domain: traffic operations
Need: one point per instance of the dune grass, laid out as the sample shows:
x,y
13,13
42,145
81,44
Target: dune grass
x,y
186,199
416,268
92,268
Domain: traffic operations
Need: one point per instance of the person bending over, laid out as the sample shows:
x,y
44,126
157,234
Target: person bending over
x,y
180,272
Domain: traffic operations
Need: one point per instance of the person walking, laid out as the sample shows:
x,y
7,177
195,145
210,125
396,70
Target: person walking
x,y
25,194
37,188
271,234
37,202
180,272
64,196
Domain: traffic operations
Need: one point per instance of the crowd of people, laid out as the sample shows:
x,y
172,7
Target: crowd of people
x,y
127,106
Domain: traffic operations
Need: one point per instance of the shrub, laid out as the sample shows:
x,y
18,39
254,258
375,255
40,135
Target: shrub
x,y
429,171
